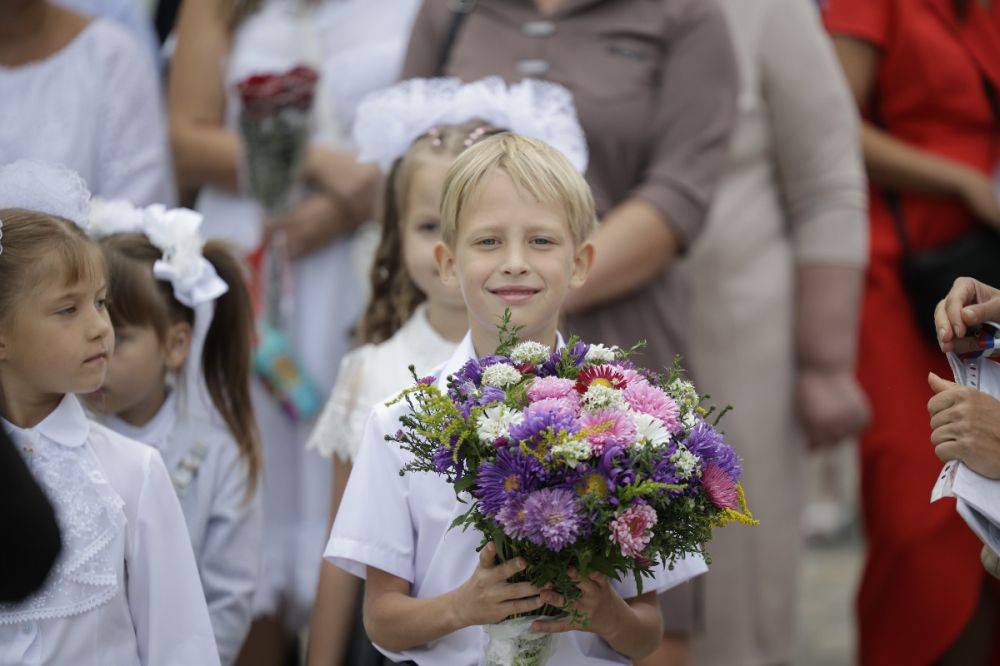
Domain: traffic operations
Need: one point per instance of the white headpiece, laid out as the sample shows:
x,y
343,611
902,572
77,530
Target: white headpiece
x,y
195,282
389,120
44,188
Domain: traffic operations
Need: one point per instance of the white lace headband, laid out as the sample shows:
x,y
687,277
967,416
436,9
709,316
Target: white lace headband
x,y
173,231
390,120
44,188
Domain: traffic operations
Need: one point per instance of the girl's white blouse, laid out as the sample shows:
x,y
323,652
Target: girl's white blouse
x,y
400,524
371,374
125,589
94,107
225,525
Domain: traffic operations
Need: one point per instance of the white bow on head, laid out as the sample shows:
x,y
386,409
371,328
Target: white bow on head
x,y
44,188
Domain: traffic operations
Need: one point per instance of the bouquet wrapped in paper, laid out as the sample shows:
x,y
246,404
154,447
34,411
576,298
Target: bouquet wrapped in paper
x,y
574,458
274,124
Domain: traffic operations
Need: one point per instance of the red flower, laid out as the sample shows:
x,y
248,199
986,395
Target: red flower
x,y
602,375
526,368
268,93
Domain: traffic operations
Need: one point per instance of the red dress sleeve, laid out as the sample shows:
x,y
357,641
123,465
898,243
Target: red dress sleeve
x,y
867,20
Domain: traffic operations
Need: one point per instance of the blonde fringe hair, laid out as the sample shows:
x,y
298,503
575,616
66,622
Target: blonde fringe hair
x,y
535,167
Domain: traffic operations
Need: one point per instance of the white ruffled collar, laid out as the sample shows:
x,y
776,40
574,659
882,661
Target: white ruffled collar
x,y
66,425
155,432
89,511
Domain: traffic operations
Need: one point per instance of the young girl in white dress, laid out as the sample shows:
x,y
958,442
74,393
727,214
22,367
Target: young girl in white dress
x,y
179,381
125,589
54,60
412,316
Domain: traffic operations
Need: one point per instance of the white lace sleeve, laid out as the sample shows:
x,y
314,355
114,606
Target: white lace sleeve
x,y
339,428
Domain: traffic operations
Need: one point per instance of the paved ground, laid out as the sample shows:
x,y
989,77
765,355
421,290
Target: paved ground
x,y
827,587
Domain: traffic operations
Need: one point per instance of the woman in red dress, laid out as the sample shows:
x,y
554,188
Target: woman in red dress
x,y
920,68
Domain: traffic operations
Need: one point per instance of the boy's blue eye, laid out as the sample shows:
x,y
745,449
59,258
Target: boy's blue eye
x,y
488,242
542,241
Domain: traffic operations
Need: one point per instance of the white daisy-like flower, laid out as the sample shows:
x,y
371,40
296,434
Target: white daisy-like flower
x,y
495,422
572,451
603,397
530,351
685,463
650,429
501,375
597,354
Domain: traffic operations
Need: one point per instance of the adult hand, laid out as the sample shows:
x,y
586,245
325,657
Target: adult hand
x,y
487,598
969,303
310,225
340,175
831,405
598,602
979,195
965,425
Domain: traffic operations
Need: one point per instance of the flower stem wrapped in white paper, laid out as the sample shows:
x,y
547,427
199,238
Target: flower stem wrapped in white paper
x,y
389,120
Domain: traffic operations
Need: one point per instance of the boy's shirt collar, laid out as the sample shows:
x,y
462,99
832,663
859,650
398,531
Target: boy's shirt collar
x,y
67,425
465,352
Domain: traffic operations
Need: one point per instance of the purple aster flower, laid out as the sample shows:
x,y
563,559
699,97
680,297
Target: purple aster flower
x,y
539,416
616,466
494,359
578,353
444,462
472,372
512,516
512,473
552,518
708,444
491,394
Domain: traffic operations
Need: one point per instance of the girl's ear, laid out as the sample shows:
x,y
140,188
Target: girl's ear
x,y
177,344
582,262
445,259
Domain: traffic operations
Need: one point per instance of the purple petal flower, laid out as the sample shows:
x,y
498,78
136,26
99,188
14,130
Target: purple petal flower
x,y
552,518
708,444
512,516
551,413
512,473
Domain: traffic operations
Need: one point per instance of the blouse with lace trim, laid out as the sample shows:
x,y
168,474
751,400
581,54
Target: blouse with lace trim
x,y
372,374
89,512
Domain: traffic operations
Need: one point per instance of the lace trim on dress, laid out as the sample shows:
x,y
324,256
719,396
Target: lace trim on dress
x,y
91,517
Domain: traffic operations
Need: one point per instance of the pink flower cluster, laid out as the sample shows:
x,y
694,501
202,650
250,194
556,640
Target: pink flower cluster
x,y
645,398
632,528
607,427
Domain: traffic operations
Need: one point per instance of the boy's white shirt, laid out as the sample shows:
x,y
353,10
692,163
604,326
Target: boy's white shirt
x,y
977,497
225,528
154,611
400,524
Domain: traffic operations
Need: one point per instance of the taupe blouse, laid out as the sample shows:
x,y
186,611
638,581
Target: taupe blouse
x,y
655,85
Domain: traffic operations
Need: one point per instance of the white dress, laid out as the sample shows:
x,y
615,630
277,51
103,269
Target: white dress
x,y
125,589
403,529
94,107
225,526
371,374
358,49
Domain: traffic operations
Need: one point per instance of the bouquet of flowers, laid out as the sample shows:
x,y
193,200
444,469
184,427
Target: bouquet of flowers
x,y
274,125
578,458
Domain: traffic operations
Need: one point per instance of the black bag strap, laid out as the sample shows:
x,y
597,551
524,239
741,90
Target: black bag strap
x,y
460,10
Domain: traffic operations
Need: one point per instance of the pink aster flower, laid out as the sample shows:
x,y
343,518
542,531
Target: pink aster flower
x,y
720,488
632,529
632,376
607,427
569,402
551,387
648,399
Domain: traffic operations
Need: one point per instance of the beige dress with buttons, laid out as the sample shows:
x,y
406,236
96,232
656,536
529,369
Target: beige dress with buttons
x,y
793,194
654,84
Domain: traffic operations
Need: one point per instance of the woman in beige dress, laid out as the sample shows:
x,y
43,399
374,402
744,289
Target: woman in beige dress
x,y
775,282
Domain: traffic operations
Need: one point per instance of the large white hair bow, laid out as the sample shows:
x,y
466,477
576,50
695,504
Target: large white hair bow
x,y
389,120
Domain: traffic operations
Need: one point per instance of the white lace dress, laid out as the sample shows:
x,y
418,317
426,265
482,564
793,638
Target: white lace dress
x,y
372,374
125,588
359,48
94,107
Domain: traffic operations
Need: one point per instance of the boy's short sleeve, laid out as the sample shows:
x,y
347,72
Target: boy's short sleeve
x,y
867,20
663,579
373,527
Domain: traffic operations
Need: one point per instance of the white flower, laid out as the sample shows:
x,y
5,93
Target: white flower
x,y
572,451
495,422
530,351
685,463
597,354
690,420
603,397
650,429
684,393
501,375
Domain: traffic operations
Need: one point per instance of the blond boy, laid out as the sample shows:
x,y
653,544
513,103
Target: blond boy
x,y
515,220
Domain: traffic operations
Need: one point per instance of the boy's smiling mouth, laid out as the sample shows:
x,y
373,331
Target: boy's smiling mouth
x,y
514,294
